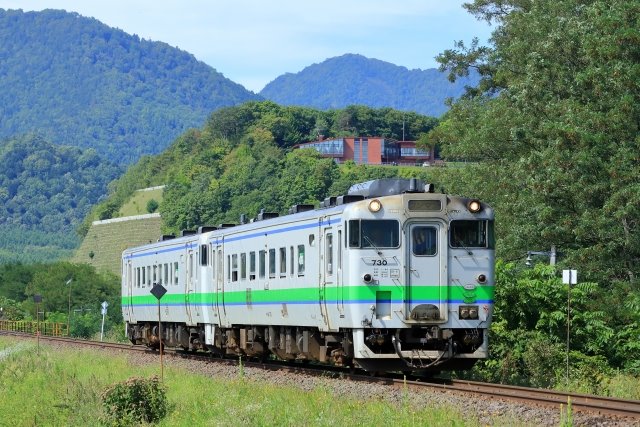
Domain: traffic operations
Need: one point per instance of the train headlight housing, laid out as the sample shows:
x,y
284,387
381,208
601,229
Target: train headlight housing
x,y
474,206
375,205
482,278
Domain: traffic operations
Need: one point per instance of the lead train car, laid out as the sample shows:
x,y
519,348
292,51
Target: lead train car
x,y
389,277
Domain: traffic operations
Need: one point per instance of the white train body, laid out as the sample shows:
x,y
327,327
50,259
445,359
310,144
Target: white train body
x,y
402,281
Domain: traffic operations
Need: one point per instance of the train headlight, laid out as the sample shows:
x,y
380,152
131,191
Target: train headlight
x,y
375,205
482,278
474,206
368,278
464,312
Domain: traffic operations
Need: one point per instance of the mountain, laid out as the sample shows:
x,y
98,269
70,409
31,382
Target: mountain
x,y
78,82
45,190
354,79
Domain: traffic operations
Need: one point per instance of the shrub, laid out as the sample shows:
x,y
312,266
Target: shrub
x,y
135,401
152,206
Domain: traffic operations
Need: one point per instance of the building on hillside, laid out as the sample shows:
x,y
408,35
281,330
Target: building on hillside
x,y
372,150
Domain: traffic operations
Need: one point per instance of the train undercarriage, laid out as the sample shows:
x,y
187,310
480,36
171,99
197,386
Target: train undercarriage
x,y
427,349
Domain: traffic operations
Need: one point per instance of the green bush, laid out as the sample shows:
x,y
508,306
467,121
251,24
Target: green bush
x,y
134,401
152,205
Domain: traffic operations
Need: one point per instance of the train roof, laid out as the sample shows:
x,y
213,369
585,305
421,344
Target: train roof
x,y
329,206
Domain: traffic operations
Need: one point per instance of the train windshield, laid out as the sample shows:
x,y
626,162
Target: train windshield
x,y
374,233
471,234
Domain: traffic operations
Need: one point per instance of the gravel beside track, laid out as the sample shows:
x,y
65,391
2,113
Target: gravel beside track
x,y
485,411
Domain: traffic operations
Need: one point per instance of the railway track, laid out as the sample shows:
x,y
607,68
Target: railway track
x,y
604,406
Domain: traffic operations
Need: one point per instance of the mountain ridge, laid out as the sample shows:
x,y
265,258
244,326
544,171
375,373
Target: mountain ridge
x,y
353,79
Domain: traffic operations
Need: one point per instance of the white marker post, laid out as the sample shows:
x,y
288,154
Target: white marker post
x,y
569,277
104,312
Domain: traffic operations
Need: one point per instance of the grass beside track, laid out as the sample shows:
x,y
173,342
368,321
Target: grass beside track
x,y
64,387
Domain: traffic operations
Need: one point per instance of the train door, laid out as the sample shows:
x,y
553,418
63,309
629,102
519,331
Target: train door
x,y
189,291
327,273
129,284
426,276
219,285
339,253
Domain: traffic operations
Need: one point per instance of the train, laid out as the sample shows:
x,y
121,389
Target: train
x,y
391,276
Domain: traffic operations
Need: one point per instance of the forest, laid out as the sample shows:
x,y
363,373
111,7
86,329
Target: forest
x,y
46,190
78,82
549,138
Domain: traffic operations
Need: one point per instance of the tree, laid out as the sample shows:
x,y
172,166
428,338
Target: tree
x,y
554,127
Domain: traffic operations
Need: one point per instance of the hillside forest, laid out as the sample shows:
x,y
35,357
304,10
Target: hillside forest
x,y
549,138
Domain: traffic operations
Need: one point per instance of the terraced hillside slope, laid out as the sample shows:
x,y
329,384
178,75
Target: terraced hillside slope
x,y
103,245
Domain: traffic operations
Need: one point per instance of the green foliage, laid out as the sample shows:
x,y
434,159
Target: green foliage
x,y
46,190
152,206
86,291
134,401
528,336
553,126
79,82
11,310
355,80
238,163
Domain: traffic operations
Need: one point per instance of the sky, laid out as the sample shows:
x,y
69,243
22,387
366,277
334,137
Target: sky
x,y
254,41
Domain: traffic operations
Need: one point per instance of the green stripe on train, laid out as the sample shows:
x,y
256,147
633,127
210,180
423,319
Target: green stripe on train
x,y
351,294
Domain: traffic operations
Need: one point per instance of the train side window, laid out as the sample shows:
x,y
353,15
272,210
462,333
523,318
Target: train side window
x,y
328,256
300,260
175,274
424,240
291,260
272,263
354,233
283,262
252,266
137,277
243,266
166,273
204,255
149,275
234,267
263,267
228,268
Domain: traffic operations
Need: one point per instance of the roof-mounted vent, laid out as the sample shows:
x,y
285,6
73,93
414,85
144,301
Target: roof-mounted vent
x,y
187,233
266,215
387,187
328,202
349,198
300,208
165,237
226,225
206,228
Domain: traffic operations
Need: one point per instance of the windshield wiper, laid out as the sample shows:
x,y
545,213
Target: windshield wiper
x,y
372,245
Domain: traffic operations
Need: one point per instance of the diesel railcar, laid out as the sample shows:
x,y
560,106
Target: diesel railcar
x,y
389,277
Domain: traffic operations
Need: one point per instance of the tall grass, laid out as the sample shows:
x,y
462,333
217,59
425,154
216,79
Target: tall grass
x,y
65,387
